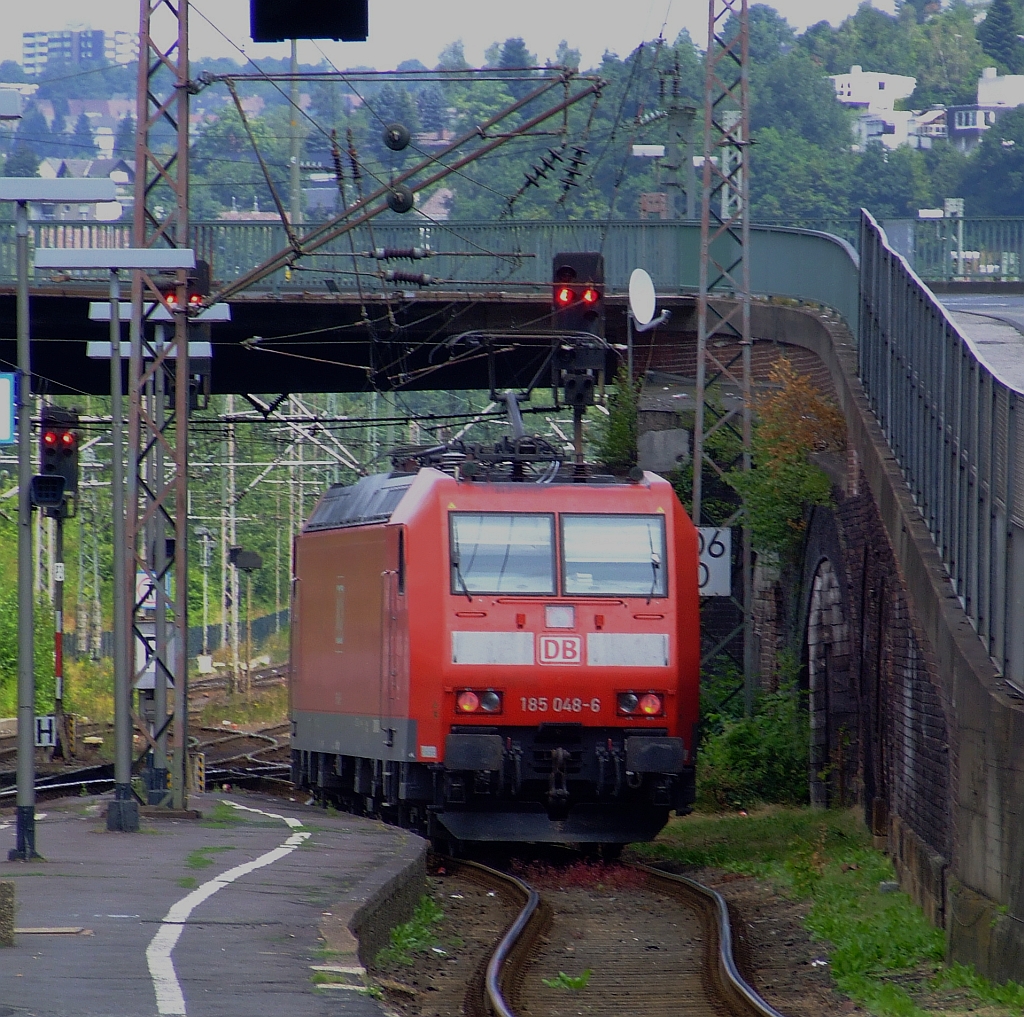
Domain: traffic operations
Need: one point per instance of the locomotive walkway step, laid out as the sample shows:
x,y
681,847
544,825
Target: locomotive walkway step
x,y
244,911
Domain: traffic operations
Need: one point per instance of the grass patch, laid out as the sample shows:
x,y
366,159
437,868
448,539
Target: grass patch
x,y
884,954
188,882
222,817
200,858
266,706
573,983
414,936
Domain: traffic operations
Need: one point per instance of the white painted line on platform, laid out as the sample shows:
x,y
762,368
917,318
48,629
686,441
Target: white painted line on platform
x,y
169,998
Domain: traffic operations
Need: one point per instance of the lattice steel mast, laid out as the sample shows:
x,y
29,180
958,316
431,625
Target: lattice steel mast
x,y
724,296
158,387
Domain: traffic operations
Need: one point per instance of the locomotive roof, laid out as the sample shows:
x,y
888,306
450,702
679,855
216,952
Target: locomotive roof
x,y
371,499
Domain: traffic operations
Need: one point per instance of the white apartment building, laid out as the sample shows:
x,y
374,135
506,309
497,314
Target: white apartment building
x,y
74,45
871,91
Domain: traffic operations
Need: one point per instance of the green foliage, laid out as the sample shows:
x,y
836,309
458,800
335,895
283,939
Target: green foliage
x,y
881,945
43,647
761,758
961,976
998,35
200,858
573,983
776,498
414,936
996,183
618,444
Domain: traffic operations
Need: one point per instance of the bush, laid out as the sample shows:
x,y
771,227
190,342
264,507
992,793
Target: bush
x,y
762,758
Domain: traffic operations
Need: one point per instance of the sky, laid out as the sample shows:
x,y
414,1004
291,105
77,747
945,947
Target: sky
x,y
420,29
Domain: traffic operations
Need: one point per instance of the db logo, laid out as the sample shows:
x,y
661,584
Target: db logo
x,y
561,650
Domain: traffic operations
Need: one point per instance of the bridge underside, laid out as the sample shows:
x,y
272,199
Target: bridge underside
x,y
324,343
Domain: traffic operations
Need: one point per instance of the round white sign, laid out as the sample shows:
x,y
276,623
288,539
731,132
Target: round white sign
x,y
641,296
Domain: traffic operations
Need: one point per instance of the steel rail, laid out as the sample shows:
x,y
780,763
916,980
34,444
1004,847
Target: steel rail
x,y
736,991
728,982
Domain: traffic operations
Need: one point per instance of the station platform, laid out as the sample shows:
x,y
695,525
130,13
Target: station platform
x,y
243,912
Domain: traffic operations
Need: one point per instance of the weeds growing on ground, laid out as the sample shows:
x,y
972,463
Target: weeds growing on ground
x,y
883,950
414,936
200,858
761,758
574,983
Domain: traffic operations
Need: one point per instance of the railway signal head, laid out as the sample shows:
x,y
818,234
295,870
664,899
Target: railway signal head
x,y
58,447
577,296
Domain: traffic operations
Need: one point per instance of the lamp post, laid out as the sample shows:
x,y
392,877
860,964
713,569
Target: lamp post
x,y
23,190
123,812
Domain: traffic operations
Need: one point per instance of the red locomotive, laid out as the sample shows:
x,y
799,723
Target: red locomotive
x,y
486,659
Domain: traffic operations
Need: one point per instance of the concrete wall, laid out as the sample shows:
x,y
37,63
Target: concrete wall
x,y
949,796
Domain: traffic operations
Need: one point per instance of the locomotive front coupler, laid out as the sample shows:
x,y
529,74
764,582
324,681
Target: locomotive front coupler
x,y
558,786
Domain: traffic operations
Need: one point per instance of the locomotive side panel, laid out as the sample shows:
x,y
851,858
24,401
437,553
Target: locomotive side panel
x,y
340,692
688,626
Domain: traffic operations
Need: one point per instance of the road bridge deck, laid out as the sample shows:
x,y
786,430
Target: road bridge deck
x,y
216,918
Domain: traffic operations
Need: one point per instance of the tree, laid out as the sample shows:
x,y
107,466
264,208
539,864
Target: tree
x,y
452,57
792,93
890,183
11,70
797,181
433,108
566,56
994,184
22,162
514,56
82,140
771,35
124,138
951,60
998,35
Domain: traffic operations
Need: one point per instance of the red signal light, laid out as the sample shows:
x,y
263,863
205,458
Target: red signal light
x,y
468,702
650,705
564,296
591,295
67,439
50,438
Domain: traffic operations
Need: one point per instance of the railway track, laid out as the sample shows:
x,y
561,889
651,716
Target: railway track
x,y
703,980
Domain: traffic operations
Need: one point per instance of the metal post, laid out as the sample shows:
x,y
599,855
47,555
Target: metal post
x,y
123,811
57,570
157,553
25,848
723,309
248,632
295,142
629,345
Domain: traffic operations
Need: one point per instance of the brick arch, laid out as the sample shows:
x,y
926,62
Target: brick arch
x,y
830,703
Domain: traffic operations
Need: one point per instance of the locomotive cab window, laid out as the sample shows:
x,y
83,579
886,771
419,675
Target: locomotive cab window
x,y
502,552
614,555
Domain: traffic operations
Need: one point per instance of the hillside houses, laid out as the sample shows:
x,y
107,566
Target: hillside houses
x,y
874,96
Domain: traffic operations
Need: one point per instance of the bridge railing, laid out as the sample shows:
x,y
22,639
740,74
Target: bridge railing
x,y
480,257
978,249
957,432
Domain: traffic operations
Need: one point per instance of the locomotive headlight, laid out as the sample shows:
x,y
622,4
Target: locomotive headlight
x,y
648,704
478,701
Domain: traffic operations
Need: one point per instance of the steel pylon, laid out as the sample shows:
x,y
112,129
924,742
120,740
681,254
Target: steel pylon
x,y
159,397
723,319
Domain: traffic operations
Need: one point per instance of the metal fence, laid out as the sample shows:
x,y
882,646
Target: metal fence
x,y
956,432
484,257
478,255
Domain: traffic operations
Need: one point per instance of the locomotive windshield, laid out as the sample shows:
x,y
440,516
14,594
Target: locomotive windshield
x,y
497,552
615,555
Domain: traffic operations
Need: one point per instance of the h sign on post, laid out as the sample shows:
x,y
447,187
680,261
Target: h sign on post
x,y
714,567
7,435
46,731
